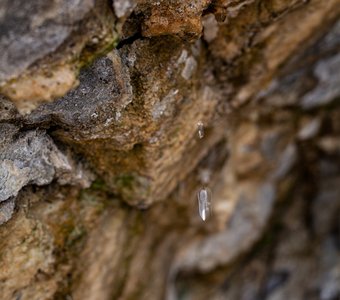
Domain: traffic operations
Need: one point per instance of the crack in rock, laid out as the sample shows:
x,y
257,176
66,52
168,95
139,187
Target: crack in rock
x,y
31,157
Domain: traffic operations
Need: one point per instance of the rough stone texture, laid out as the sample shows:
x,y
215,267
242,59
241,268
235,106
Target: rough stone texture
x,y
44,44
32,158
174,18
137,139
6,210
262,78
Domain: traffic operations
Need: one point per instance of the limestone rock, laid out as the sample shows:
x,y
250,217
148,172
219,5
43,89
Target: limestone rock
x,y
153,101
42,45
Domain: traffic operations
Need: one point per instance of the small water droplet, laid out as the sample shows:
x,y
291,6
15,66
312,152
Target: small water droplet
x,y
200,129
204,203
204,176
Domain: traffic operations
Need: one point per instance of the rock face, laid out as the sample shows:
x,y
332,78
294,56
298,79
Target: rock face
x,y
43,45
114,114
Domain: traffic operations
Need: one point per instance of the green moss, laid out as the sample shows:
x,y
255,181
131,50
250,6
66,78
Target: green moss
x,y
90,53
132,187
125,181
99,184
89,197
96,199
76,234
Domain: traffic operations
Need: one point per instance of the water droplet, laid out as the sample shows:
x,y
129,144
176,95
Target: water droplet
x,y
200,129
204,203
204,176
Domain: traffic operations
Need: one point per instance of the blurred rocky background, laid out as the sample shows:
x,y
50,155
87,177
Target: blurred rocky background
x,y
101,162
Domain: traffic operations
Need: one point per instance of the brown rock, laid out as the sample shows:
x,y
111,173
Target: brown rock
x,y
236,97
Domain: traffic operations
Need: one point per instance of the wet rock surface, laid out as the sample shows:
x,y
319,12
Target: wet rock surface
x,y
113,115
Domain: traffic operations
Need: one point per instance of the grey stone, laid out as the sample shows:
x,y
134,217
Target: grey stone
x,y
292,88
330,275
286,161
189,67
31,157
6,210
29,30
328,88
104,91
8,110
326,205
123,7
309,130
210,26
165,106
254,207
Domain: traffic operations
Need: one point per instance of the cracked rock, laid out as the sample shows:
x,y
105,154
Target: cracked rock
x,y
31,157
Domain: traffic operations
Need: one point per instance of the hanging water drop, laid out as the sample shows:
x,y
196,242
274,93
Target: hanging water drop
x,y
204,203
204,176
200,129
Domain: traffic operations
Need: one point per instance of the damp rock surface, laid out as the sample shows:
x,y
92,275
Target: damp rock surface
x,y
123,124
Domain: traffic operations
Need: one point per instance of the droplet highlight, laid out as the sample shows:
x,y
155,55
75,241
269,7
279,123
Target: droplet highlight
x,y
200,129
204,203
